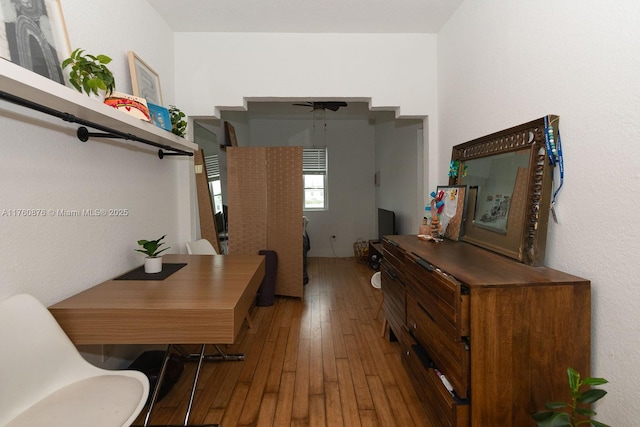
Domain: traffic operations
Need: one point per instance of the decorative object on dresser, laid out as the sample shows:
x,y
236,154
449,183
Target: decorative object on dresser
x,y
509,179
151,248
493,329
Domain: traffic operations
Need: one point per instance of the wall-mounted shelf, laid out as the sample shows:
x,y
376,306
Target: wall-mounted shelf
x,y
25,84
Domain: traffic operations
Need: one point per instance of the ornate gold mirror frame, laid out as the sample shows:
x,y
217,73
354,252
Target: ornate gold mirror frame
x,y
509,181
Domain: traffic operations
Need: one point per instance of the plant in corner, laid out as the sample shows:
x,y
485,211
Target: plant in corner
x,y
151,248
178,124
89,73
578,411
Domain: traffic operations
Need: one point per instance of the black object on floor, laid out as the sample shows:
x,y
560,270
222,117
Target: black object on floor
x,y
267,289
150,362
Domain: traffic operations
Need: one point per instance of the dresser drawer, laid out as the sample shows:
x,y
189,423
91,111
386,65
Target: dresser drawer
x,y
442,408
442,296
449,355
392,248
393,289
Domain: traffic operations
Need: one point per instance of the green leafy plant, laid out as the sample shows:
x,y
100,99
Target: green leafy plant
x,y
151,247
178,124
90,73
578,411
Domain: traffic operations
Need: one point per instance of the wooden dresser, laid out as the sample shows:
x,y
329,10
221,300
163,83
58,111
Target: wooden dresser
x,y
501,332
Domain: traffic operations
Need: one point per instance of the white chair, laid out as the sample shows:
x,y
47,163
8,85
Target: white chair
x,y
201,247
46,382
376,282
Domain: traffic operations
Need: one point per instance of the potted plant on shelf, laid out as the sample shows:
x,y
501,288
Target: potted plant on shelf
x,y
90,74
578,411
153,262
178,124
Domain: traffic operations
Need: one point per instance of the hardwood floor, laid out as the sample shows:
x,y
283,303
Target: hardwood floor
x,y
319,361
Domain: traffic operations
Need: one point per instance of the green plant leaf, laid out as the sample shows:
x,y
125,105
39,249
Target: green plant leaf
x,y
555,419
592,395
104,59
574,379
586,412
599,424
594,381
555,405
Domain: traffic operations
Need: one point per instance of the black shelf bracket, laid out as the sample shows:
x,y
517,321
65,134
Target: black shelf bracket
x,y
84,134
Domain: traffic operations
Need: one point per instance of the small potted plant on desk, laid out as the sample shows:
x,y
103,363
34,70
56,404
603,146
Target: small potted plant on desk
x,y
153,262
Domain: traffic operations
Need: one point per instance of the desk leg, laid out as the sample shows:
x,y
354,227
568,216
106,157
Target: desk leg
x,y
156,389
220,356
195,383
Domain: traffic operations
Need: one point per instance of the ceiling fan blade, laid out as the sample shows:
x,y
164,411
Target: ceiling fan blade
x,y
334,106
304,104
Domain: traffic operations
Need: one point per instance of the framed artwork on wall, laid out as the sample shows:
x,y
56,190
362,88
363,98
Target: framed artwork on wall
x,y
144,80
33,35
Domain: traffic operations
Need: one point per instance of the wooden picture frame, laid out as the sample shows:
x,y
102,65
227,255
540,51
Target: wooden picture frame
x,y
520,154
21,30
145,82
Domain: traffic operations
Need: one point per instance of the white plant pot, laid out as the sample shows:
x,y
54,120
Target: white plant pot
x,y
153,265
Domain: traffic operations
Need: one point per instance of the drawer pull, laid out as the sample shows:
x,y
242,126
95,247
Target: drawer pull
x,y
391,274
424,264
426,312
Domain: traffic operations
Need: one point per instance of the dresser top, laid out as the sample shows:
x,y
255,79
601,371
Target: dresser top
x,y
477,267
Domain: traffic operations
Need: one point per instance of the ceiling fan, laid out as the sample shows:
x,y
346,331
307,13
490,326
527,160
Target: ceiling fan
x,y
323,105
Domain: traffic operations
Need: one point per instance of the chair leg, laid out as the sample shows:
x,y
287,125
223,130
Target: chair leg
x,y
249,322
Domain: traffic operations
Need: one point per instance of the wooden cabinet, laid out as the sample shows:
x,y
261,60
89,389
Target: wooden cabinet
x,y
501,332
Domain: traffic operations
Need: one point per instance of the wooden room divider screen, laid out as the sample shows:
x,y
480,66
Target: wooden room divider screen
x,y
264,187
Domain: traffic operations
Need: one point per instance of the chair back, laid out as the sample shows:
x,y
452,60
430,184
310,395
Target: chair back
x,y
200,247
36,357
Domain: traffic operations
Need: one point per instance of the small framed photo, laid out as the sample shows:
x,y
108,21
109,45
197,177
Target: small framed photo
x,y
33,35
453,216
144,80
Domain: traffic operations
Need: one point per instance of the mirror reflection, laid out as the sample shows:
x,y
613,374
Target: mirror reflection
x,y
494,180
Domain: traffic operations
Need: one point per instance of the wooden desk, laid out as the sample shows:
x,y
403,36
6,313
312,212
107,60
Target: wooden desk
x,y
203,302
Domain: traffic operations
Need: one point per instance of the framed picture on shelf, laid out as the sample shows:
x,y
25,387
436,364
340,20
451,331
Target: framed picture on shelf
x,y
144,80
33,35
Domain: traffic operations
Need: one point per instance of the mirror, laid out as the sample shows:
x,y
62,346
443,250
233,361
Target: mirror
x,y
509,183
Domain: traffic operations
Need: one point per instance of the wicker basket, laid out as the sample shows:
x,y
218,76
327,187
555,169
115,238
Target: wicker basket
x,y
361,251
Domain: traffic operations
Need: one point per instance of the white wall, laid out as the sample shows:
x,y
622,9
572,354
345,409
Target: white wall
x,y
502,63
219,70
44,166
399,154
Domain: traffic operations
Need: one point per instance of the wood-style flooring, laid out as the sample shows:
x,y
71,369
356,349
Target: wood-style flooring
x,y
319,361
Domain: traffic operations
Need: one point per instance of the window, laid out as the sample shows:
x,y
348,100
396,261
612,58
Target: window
x,y
213,176
314,171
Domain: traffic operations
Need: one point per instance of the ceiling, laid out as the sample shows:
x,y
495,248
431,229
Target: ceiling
x,y
306,16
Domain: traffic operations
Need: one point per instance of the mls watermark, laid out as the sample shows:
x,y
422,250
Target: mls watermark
x,y
36,213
